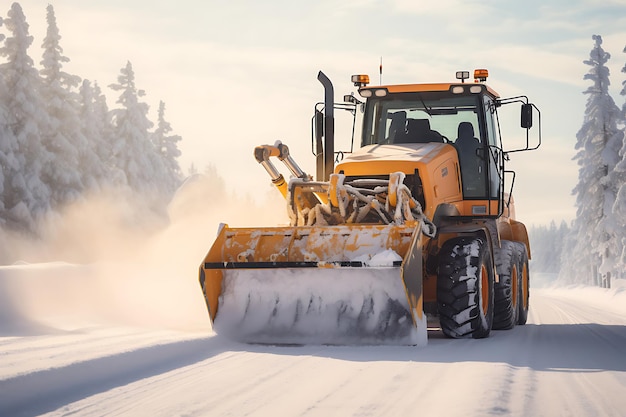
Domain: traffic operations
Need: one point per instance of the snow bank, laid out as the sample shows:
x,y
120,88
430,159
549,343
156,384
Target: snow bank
x,y
610,299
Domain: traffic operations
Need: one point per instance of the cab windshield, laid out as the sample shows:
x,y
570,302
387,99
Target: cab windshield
x,y
419,118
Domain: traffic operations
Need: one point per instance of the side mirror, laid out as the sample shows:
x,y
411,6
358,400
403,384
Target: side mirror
x,y
527,116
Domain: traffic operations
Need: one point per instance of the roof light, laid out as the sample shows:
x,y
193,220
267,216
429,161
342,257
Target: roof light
x,y
369,92
360,80
457,89
475,89
481,75
462,75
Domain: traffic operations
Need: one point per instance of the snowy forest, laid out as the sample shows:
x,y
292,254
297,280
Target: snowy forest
x,y
60,141
593,247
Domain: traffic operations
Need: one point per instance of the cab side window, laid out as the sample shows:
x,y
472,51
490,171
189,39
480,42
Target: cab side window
x,y
494,155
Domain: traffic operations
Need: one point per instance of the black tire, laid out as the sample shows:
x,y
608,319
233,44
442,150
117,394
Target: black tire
x,y
524,284
506,291
465,288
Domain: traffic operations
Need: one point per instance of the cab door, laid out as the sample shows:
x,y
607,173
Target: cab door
x,y
494,158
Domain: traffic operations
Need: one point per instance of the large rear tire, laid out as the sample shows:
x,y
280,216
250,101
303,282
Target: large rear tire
x,y
465,288
506,291
524,284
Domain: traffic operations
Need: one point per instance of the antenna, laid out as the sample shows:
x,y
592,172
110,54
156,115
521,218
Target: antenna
x,y
380,71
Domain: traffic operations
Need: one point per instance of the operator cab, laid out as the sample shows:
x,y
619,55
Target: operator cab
x,y
458,114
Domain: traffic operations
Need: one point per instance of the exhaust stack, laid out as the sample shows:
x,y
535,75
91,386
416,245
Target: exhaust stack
x,y
327,156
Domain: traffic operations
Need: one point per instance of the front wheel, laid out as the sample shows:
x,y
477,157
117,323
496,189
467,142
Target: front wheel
x,y
465,288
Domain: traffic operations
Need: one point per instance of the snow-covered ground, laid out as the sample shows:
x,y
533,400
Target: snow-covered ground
x,y
72,345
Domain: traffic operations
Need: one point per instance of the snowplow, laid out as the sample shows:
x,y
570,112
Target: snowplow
x,y
414,229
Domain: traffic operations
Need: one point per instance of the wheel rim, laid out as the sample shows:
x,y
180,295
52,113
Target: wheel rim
x,y
484,289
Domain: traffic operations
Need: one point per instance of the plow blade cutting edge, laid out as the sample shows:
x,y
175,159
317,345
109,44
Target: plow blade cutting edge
x,y
345,284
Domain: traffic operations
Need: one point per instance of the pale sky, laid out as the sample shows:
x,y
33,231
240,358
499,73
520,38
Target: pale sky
x,y
236,74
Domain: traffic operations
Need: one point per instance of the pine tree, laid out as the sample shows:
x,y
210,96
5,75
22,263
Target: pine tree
x,y
611,227
619,208
598,141
132,149
62,137
168,151
26,197
104,148
95,126
8,144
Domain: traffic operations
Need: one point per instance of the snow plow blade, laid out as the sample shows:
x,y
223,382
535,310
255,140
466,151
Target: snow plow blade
x,y
342,284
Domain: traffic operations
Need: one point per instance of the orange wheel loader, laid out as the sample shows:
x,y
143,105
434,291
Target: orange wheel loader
x,y
413,229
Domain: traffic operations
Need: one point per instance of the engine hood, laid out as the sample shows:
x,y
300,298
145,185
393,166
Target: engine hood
x,y
409,152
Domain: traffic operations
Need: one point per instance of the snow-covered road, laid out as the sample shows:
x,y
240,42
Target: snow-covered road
x,y
569,360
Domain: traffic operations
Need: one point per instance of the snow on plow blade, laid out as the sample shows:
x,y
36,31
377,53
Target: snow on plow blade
x,y
345,284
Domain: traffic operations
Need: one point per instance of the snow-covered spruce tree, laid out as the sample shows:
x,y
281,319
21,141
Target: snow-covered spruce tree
x,y
598,143
619,208
8,144
612,226
619,211
62,137
131,146
96,127
26,197
168,151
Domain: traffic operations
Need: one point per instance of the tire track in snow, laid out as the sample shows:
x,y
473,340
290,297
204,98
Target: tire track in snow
x,y
237,381
566,362
22,355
